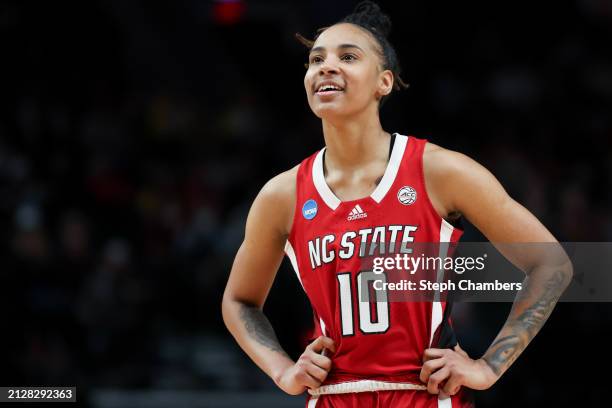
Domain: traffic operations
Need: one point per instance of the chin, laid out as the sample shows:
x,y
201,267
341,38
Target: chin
x,y
339,109
330,111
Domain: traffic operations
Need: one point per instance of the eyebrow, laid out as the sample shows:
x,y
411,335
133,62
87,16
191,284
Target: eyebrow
x,y
341,46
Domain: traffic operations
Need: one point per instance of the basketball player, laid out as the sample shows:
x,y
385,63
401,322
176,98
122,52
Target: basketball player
x,y
363,182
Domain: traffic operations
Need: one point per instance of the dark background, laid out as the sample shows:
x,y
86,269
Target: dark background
x,y
134,135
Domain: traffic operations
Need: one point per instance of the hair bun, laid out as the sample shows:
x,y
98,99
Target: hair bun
x,y
368,14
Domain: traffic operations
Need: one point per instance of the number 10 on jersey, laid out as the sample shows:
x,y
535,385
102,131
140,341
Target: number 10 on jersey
x,y
370,321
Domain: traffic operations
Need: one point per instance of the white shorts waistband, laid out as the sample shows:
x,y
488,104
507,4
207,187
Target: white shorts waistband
x,y
364,386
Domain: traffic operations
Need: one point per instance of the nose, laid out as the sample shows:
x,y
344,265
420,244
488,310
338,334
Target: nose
x,y
328,67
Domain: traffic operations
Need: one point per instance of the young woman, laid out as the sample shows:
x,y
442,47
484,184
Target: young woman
x,y
368,185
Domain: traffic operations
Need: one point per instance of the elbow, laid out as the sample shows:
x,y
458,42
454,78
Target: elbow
x,y
561,273
231,306
560,266
567,270
227,309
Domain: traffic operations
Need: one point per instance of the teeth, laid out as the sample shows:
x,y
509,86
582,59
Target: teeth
x,y
328,88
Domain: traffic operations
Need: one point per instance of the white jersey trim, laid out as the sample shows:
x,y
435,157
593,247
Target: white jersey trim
x,y
445,403
364,386
446,232
313,402
381,189
392,168
322,324
318,178
291,255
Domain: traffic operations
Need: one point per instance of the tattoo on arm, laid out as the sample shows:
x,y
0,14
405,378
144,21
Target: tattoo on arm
x,y
259,328
502,353
522,326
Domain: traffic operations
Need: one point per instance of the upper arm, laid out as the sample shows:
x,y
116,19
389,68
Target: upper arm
x,y
461,184
262,249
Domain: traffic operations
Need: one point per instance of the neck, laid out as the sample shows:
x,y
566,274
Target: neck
x,y
356,141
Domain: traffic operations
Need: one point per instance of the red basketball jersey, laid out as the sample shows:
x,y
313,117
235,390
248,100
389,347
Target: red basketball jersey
x,y
385,342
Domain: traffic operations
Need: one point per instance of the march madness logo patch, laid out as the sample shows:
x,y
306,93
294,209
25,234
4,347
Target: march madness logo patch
x,y
309,209
407,195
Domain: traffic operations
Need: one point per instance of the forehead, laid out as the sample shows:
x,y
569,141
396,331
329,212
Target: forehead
x,y
345,33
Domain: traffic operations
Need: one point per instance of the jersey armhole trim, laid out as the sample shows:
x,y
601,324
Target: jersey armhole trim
x,y
296,204
294,263
432,209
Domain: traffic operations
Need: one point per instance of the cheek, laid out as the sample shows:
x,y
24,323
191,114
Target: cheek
x,y
370,83
308,82
363,84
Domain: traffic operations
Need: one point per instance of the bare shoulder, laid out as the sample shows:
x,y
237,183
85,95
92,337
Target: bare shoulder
x,y
275,202
458,184
446,173
440,161
281,186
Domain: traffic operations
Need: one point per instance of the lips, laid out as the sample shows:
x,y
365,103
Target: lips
x,y
328,88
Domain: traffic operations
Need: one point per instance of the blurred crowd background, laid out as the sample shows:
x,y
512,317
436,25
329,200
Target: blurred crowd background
x,y
134,135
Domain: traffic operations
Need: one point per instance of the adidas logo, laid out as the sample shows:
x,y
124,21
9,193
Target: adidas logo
x,y
356,213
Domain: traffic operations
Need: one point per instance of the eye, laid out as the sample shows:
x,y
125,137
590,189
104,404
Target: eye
x,y
315,59
348,57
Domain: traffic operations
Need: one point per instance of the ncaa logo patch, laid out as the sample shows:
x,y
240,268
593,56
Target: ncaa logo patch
x,y
309,209
407,195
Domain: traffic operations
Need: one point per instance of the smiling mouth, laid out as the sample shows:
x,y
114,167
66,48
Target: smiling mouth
x,y
328,90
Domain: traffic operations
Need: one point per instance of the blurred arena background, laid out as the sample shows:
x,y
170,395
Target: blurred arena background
x,y
134,136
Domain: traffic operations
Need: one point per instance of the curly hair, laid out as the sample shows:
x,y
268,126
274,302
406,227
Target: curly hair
x,y
368,16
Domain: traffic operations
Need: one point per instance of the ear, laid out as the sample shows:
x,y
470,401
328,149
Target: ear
x,y
385,83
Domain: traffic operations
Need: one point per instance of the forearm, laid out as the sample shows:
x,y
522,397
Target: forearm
x,y
532,307
255,335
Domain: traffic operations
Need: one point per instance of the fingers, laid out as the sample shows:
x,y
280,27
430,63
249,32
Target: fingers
x,y
308,373
306,379
313,366
435,380
320,343
317,372
432,353
320,360
429,367
441,370
452,386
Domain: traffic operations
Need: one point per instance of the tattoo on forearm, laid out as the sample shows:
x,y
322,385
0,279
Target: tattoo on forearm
x,y
520,330
259,328
534,316
503,351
